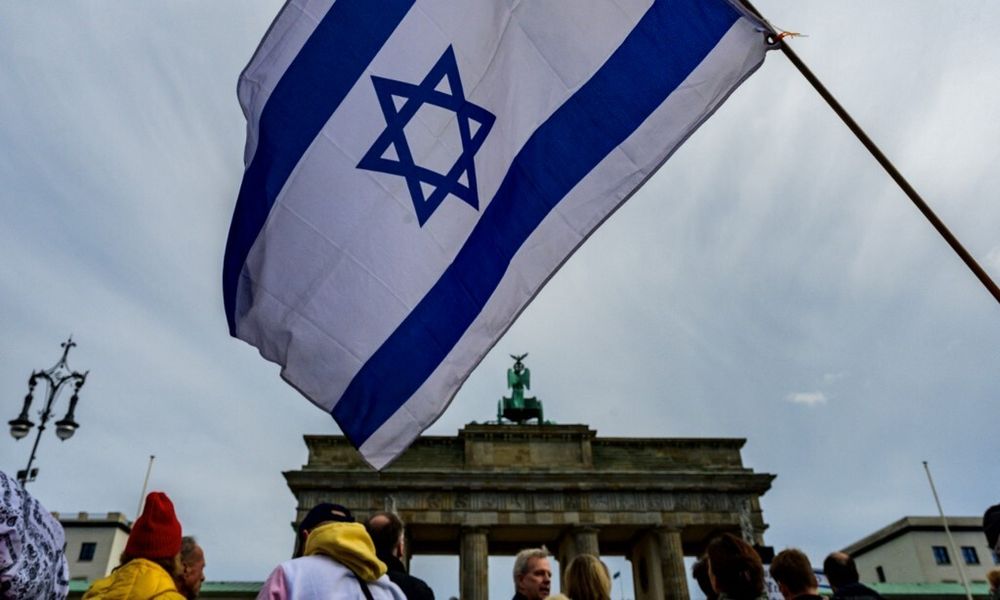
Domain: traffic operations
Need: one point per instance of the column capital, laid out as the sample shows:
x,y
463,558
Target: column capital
x,y
667,528
584,528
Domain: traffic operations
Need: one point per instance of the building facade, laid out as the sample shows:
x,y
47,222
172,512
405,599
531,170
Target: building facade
x,y
94,542
917,550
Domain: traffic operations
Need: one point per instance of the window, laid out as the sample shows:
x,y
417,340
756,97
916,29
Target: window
x,y
881,574
941,555
969,555
87,551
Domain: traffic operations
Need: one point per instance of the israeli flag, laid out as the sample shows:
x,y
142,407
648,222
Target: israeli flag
x,y
416,170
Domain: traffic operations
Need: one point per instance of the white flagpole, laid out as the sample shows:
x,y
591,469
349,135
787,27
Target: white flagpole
x,y
951,540
142,495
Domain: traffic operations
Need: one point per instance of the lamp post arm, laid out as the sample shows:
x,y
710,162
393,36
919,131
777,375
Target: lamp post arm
x,y
41,427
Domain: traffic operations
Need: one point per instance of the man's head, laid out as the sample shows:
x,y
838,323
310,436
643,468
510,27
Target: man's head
x,y
193,568
321,513
793,573
386,531
840,570
532,573
991,527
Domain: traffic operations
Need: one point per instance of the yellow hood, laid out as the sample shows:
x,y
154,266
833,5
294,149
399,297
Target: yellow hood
x,y
138,579
348,544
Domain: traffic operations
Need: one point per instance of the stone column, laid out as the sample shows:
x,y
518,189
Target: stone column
x,y
473,574
585,540
579,539
658,566
646,573
672,563
407,549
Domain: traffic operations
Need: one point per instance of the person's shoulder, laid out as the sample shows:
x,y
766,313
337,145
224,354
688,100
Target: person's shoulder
x,y
168,595
421,589
139,578
413,588
385,588
314,562
856,591
98,587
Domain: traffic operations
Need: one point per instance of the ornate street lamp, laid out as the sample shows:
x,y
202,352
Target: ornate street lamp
x,y
56,377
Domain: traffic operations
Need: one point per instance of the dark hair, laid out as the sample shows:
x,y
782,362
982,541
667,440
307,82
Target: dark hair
x,y
991,525
699,570
736,567
792,568
840,570
384,535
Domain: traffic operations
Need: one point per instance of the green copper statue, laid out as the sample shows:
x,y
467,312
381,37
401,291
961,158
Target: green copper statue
x,y
518,408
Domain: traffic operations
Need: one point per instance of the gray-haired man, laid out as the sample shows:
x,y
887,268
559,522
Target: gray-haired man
x,y
532,574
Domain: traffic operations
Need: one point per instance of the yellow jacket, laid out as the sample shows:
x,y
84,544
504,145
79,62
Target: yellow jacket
x,y
138,579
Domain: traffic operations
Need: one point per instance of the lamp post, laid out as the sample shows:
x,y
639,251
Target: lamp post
x,y
56,377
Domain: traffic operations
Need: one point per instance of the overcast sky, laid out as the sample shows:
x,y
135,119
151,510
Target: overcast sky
x,y
769,283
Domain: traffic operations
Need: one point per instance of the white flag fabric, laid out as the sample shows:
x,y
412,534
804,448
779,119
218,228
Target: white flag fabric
x,y
418,169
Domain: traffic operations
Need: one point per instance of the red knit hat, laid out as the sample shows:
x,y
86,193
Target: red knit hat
x,y
157,532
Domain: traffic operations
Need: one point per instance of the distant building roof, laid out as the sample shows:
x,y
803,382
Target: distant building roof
x,y
908,524
929,589
85,519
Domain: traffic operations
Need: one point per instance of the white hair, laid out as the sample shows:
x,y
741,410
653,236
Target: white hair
x,y
525,556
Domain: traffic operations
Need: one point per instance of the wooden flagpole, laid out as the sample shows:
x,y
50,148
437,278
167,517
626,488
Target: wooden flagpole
x,y
881,158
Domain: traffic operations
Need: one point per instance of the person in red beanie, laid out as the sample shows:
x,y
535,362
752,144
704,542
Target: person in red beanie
x,y
151,560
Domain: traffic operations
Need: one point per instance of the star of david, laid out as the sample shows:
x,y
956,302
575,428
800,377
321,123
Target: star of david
x,y
474,123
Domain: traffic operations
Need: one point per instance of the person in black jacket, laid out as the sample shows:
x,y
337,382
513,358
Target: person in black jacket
x,y
842,574
386,531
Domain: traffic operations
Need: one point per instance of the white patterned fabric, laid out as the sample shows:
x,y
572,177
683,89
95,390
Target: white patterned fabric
x,y
32,547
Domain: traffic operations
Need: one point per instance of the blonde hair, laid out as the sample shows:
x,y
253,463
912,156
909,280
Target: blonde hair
x,y
587,578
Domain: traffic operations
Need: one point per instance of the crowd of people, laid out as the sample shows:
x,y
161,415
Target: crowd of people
x,y
731,569
338,558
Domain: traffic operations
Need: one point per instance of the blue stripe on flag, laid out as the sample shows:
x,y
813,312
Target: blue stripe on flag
x,y
333,58
670,40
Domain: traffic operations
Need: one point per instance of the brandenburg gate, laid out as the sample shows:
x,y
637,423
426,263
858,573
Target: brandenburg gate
x,y
498,488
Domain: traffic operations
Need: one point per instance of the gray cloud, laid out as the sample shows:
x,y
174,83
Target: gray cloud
x,y
807,398
769,254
